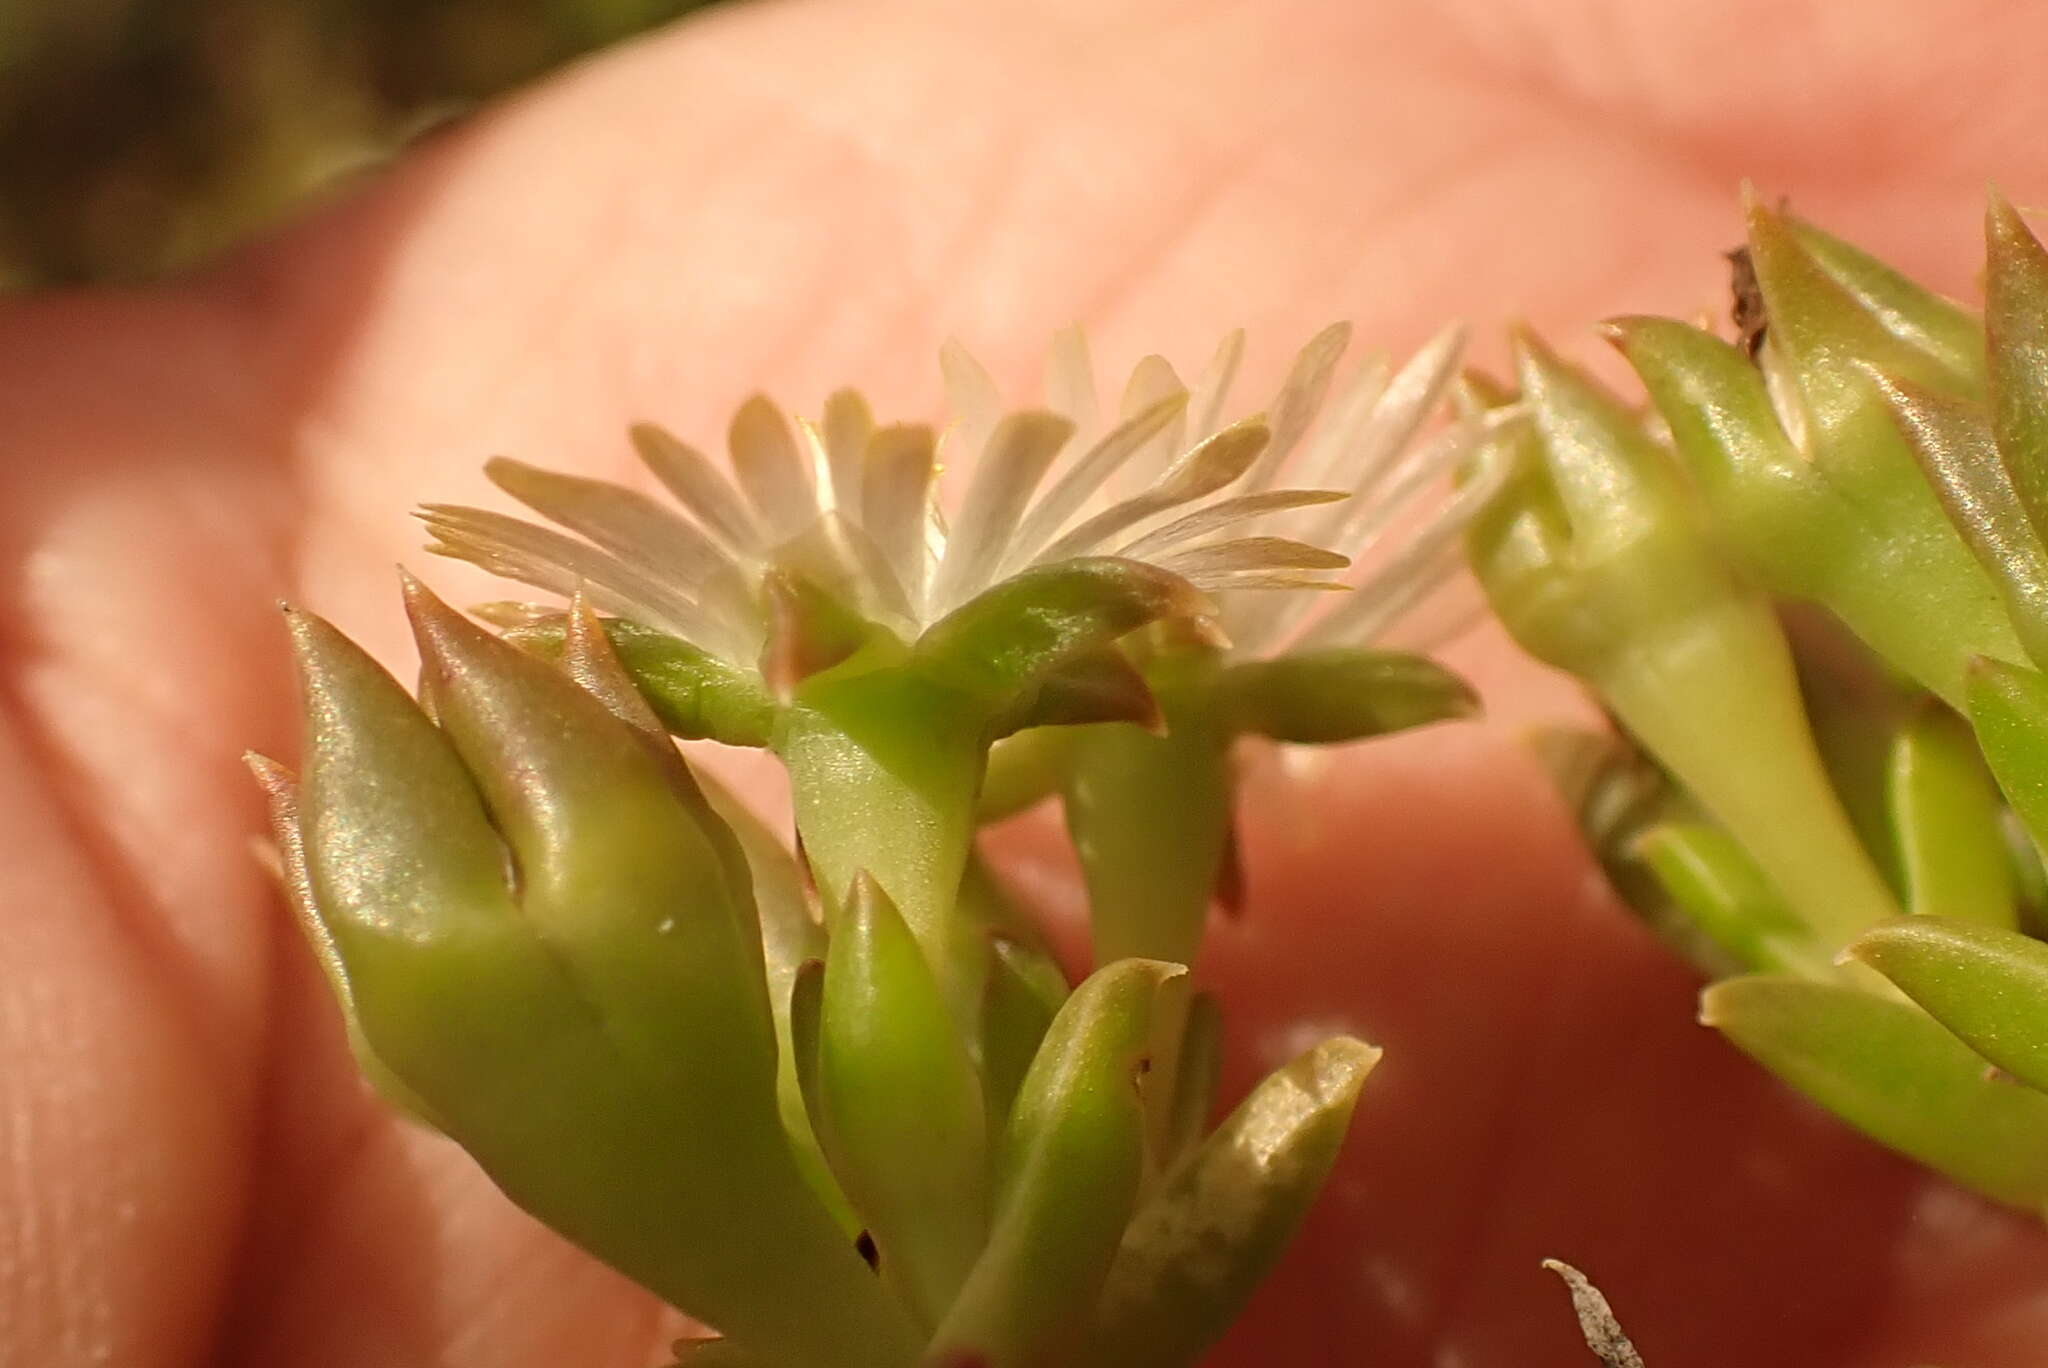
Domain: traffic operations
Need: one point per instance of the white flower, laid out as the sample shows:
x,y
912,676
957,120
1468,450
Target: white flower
x,y
853,506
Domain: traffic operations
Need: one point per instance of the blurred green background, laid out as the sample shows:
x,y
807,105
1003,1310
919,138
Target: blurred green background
x,y
141,136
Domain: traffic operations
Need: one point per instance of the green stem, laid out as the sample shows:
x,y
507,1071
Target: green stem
x,y
885,765
1742,746
1150,818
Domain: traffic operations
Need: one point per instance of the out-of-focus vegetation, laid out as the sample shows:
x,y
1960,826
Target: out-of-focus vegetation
x,y
139,136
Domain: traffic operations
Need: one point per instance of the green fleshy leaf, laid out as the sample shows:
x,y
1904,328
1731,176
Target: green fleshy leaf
x,y
1615,487
696,695
884,765
1069,1172
1724,430
1945,816
1939,329
1952,441
1897,1075
1519,548
1831,346
1341,694
2009,710
1631,597
1205,1240
1987,984
1708,874
902,1105
1892,568
1828,334
589,658
652,1145
1005,641
2016,324
621,877
790,937
282,793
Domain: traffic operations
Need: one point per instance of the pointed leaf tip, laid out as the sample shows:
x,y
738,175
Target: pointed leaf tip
x,y
1989,985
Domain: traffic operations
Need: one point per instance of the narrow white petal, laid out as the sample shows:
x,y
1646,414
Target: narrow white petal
x,y
1385,597
1204,470
772,471
972,397
1080,481
623,521
1229,581
1343,423
549,560
1245,508
896,482
699,486
1017,456
1410,399
1250,553
1420,470
1152,380
1212,387
1294,408
848,423
840,558
1070,379
1419,567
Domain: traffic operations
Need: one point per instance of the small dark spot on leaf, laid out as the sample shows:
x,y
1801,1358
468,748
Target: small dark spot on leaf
x,y
868,1250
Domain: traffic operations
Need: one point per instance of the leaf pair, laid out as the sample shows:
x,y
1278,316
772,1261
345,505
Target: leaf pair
x,y
544,937
1598,559
1042,1240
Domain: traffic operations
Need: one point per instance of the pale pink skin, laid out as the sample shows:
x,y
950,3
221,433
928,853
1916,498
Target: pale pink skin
x,y
800,194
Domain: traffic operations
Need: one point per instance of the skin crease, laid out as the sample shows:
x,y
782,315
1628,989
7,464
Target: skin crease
x,y
798,195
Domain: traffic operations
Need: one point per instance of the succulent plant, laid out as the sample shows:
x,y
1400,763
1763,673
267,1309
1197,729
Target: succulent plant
x,y
843,1105
1809,585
